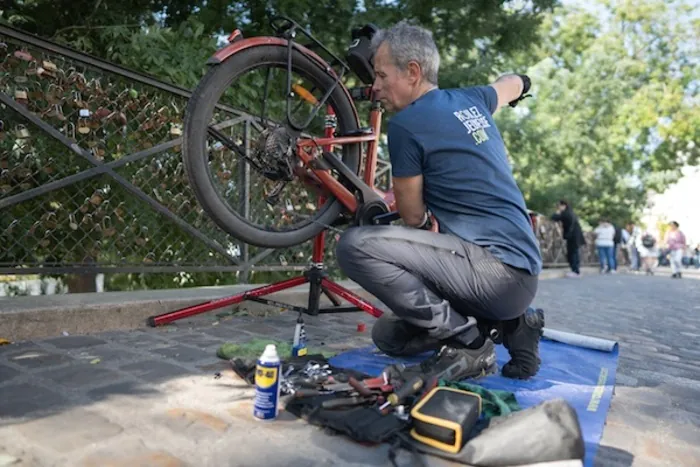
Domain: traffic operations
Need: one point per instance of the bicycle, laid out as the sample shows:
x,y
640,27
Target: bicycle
x,y
286,152
283,153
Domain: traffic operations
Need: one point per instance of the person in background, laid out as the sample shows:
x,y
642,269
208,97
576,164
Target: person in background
x,y
617,241
634,235
675,243
572,234
625,247
648,252
605,243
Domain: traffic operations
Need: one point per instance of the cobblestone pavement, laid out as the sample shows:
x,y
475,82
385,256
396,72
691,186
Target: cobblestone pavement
x,y
149,397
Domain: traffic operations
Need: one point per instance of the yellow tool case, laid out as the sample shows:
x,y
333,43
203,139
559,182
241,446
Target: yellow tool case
x,y
444,418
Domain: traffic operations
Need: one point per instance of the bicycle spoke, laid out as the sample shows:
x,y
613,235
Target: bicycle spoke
x,y
226,141
265,91
275,193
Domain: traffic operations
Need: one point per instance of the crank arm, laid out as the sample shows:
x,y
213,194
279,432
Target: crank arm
x,y
368,194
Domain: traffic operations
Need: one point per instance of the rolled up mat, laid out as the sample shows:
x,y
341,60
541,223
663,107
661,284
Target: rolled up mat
x,y
579,340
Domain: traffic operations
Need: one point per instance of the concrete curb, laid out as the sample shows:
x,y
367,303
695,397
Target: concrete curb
x,y
23,318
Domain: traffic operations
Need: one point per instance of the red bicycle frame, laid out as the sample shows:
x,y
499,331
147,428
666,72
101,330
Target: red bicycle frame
x,y
308,153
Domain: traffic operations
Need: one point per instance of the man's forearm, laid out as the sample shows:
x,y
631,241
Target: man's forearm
x,y
508,88
413,216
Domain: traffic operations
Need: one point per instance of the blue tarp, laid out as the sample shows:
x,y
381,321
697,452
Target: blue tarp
x,y
576,368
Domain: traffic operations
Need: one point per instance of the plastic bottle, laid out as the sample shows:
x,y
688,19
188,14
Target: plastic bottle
x,y
267,385
299,343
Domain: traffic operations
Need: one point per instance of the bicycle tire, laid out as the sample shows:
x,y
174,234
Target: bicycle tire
x,y
199,111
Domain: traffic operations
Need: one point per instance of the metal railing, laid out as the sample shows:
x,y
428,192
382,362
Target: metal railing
x,y
91,177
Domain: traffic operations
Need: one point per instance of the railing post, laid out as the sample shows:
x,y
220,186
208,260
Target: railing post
x,y
244,202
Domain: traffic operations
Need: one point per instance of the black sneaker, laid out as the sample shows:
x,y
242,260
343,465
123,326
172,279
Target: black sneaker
x,y
522,339
451,364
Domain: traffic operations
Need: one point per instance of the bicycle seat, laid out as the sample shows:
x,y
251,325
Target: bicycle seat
x,y
359,55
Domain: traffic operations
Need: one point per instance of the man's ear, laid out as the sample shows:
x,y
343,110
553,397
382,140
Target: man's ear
x,y
414,71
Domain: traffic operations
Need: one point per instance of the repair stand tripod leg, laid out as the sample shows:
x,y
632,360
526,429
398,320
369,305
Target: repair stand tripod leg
x,y
315,276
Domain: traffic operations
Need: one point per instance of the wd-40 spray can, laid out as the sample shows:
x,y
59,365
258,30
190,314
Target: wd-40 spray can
x,y
267,385
299,343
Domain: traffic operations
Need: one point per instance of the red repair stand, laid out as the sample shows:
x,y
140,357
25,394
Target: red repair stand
x,y
317,278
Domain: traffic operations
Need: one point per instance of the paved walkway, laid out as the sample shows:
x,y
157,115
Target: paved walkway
x,y
149,397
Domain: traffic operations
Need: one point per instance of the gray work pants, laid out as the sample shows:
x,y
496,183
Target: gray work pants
x,y
437,285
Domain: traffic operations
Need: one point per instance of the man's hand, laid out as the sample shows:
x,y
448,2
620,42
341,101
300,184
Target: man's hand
x,y
511,89
408,192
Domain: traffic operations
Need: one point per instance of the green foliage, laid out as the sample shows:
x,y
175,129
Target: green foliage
x,y
475,36
615,108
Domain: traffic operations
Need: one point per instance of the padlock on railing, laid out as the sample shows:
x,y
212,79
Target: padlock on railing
x,y
23,55
21,95
97,198
22,132
72,222
83,127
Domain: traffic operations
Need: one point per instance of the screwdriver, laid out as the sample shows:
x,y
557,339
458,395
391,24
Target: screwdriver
x,y
411,387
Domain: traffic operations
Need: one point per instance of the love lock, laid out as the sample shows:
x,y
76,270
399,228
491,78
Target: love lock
x,y
76,99
57,112
54,94
34,69
84,113
175,129
23,55
119,211
71,222
108,230
96,198
21,94
85,206
44,242
22,132
49,65
83,127
33,228
96,154
50,221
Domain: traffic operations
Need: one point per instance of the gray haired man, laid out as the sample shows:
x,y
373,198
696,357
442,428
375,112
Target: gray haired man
x,y
448,290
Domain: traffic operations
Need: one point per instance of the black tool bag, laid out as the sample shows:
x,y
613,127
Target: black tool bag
x,y
362,424
359,54
547,432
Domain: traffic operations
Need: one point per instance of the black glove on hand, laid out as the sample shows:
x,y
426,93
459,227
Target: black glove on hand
x,y
526,88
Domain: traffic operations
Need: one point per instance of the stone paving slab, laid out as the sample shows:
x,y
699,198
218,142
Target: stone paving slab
x,y
150,397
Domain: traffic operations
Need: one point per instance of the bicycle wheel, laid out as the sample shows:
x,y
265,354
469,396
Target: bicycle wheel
x,y
228,186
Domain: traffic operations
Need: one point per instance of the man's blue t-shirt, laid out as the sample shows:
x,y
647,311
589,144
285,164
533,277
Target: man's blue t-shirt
x,y
449,137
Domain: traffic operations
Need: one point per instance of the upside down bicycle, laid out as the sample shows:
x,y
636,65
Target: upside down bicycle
x,y
286,151
308,134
